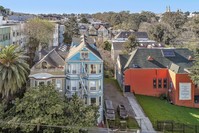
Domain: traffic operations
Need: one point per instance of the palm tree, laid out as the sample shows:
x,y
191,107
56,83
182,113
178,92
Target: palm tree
x,y
13,70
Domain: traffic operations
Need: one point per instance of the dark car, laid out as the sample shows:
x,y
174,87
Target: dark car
x,y
122,111
109,110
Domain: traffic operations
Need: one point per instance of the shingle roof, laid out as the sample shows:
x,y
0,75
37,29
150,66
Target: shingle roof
x,y
140,34
77,40
178,63
123,60
55,56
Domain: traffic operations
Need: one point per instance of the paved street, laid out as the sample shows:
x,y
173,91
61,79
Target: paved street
x,y
143,121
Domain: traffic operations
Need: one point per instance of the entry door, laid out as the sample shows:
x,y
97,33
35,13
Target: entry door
x,y
127,88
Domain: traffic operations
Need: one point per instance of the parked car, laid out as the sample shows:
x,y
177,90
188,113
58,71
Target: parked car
x,y
122,111
109,110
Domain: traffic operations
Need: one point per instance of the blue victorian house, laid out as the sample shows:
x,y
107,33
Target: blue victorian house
x,y
78,70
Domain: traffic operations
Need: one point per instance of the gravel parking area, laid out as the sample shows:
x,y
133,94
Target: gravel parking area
x,y
113,92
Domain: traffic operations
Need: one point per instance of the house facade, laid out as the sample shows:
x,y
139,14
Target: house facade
x,y
84,75
76,71
154,72
5,35
50,69
92,31
103,32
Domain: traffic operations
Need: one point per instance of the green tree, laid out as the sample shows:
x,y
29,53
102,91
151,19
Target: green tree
x,y
80,115
71,26
107,46
40,105
13,70
195,70
84,20
147,16
175,19
131,44
193,25
43,105
162,33
67,38
40,33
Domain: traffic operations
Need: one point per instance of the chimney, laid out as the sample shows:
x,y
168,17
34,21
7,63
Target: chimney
x,y
149,58
190,58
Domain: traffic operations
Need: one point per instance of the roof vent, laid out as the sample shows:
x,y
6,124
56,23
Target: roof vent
x,y
150,58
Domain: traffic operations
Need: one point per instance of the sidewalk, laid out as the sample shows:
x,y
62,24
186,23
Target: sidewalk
x,y
142,120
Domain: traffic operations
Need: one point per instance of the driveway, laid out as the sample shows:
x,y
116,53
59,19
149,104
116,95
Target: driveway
x,y
112,92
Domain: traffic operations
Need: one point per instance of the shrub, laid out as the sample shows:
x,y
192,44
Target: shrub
x,y
163,96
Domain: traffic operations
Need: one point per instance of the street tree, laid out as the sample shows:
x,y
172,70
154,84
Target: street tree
x,y
13,70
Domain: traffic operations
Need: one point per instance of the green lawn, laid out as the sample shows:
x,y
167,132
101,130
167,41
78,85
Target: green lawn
x,y
157,109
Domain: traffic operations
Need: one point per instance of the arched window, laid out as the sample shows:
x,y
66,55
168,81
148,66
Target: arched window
x,y
44,65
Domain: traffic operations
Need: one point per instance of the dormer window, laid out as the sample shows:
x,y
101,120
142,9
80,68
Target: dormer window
x,y
84,55
44,65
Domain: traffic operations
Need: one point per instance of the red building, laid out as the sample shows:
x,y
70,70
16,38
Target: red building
x,y
154,72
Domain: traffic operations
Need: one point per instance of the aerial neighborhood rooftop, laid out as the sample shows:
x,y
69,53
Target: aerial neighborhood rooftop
x,y
100,72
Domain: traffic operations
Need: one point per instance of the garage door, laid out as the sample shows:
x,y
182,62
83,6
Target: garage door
x,y
127,88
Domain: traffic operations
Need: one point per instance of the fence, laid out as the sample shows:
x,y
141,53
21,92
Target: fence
x,y
172,126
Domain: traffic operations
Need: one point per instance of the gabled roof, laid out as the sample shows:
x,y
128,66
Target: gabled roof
x,y
177,63
83,44
53,58
77,40
102,27
61,50
123,60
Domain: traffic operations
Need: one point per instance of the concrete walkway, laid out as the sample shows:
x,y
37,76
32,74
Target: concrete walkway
x,y
142,120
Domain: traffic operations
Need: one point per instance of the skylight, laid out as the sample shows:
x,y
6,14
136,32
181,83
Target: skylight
x,y
168,53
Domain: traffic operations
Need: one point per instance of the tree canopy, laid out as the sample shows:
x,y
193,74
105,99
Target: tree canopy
x,y
131,43
71,27
43,105
41,30
40,33
84,20
195,70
